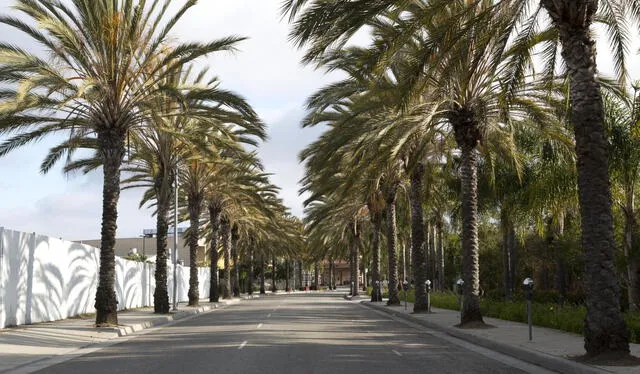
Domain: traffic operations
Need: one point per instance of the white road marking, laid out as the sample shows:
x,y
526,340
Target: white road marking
x,y
242,345
269,315
396,352
260,325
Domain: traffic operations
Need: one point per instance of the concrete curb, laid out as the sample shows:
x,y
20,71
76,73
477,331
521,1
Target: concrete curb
x,y
165,319
546,361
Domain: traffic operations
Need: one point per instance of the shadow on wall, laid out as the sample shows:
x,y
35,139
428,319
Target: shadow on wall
x,y
45,279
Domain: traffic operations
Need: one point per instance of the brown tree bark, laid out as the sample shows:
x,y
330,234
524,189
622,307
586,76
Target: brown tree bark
x,y
418,242
225,227
273,273
468,135
162,188
262,275
214,216
235,276
194,202
605,329
376,223
392,238
251,275
112,152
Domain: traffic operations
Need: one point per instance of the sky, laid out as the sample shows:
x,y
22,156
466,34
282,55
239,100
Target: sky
x,y
266,71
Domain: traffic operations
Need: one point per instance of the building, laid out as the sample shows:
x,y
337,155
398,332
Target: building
x,y
145,244
342,273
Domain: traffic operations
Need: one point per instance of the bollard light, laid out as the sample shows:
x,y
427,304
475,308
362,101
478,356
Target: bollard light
x,y
528,291
428,284
460,284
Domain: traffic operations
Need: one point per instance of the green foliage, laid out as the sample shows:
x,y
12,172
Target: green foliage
x,y
567,317
138,257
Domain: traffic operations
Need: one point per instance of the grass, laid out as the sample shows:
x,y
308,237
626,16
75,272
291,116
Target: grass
x,y
567,317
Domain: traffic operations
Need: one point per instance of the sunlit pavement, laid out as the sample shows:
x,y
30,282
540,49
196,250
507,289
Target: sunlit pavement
x,y
300,333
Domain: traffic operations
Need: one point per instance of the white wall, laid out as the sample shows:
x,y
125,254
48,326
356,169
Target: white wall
x,y
45,279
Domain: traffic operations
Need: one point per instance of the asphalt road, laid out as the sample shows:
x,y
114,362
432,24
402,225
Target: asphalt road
x,y
302,333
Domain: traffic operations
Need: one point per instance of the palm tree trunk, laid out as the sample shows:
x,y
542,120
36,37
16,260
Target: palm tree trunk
x,y
392,238
470,256
286,281
112,150
214,216
226,248
332,279
356,261
235,277
441,261
631,249
316,275
417,241
273,273
163,193
195,207
376,222
262,289
605,329
508,238
251,275
300,272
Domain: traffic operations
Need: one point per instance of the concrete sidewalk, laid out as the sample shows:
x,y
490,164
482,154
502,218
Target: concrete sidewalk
x,y
549,348
28,348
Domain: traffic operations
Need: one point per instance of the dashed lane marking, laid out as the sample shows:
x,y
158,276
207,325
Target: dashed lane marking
x,y
396,352
242,345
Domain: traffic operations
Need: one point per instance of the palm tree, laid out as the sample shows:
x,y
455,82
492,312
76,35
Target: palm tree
x,y
171,139
107,59
621,119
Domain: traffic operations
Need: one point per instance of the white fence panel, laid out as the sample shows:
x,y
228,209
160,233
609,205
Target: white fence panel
x,y
45,279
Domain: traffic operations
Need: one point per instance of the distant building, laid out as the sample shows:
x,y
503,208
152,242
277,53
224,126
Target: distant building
x,y
146,245
342,273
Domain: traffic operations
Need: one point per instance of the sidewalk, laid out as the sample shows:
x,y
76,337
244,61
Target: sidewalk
x,y
28,348
549,348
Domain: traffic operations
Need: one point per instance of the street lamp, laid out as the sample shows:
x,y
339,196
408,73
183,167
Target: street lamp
x,y
427,283
378,294
460,284
528,291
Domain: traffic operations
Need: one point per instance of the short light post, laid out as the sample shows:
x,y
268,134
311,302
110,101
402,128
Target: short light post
x,y
460,284
405,287
352,285
378,296
427,283
528,292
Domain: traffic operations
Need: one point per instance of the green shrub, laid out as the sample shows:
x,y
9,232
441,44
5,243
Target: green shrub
x,y
567,317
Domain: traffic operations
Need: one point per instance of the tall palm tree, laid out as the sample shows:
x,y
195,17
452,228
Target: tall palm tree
x,y
323,25
170,139
107,58
621,118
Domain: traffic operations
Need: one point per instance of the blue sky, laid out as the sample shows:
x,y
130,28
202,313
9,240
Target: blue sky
x,y
266,71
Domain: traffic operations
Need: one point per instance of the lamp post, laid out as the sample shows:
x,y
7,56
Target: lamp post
x,y
528,291
378,296
460,284
427,283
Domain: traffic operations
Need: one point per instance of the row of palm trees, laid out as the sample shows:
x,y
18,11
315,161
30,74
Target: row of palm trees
x,y
116,86
500,92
